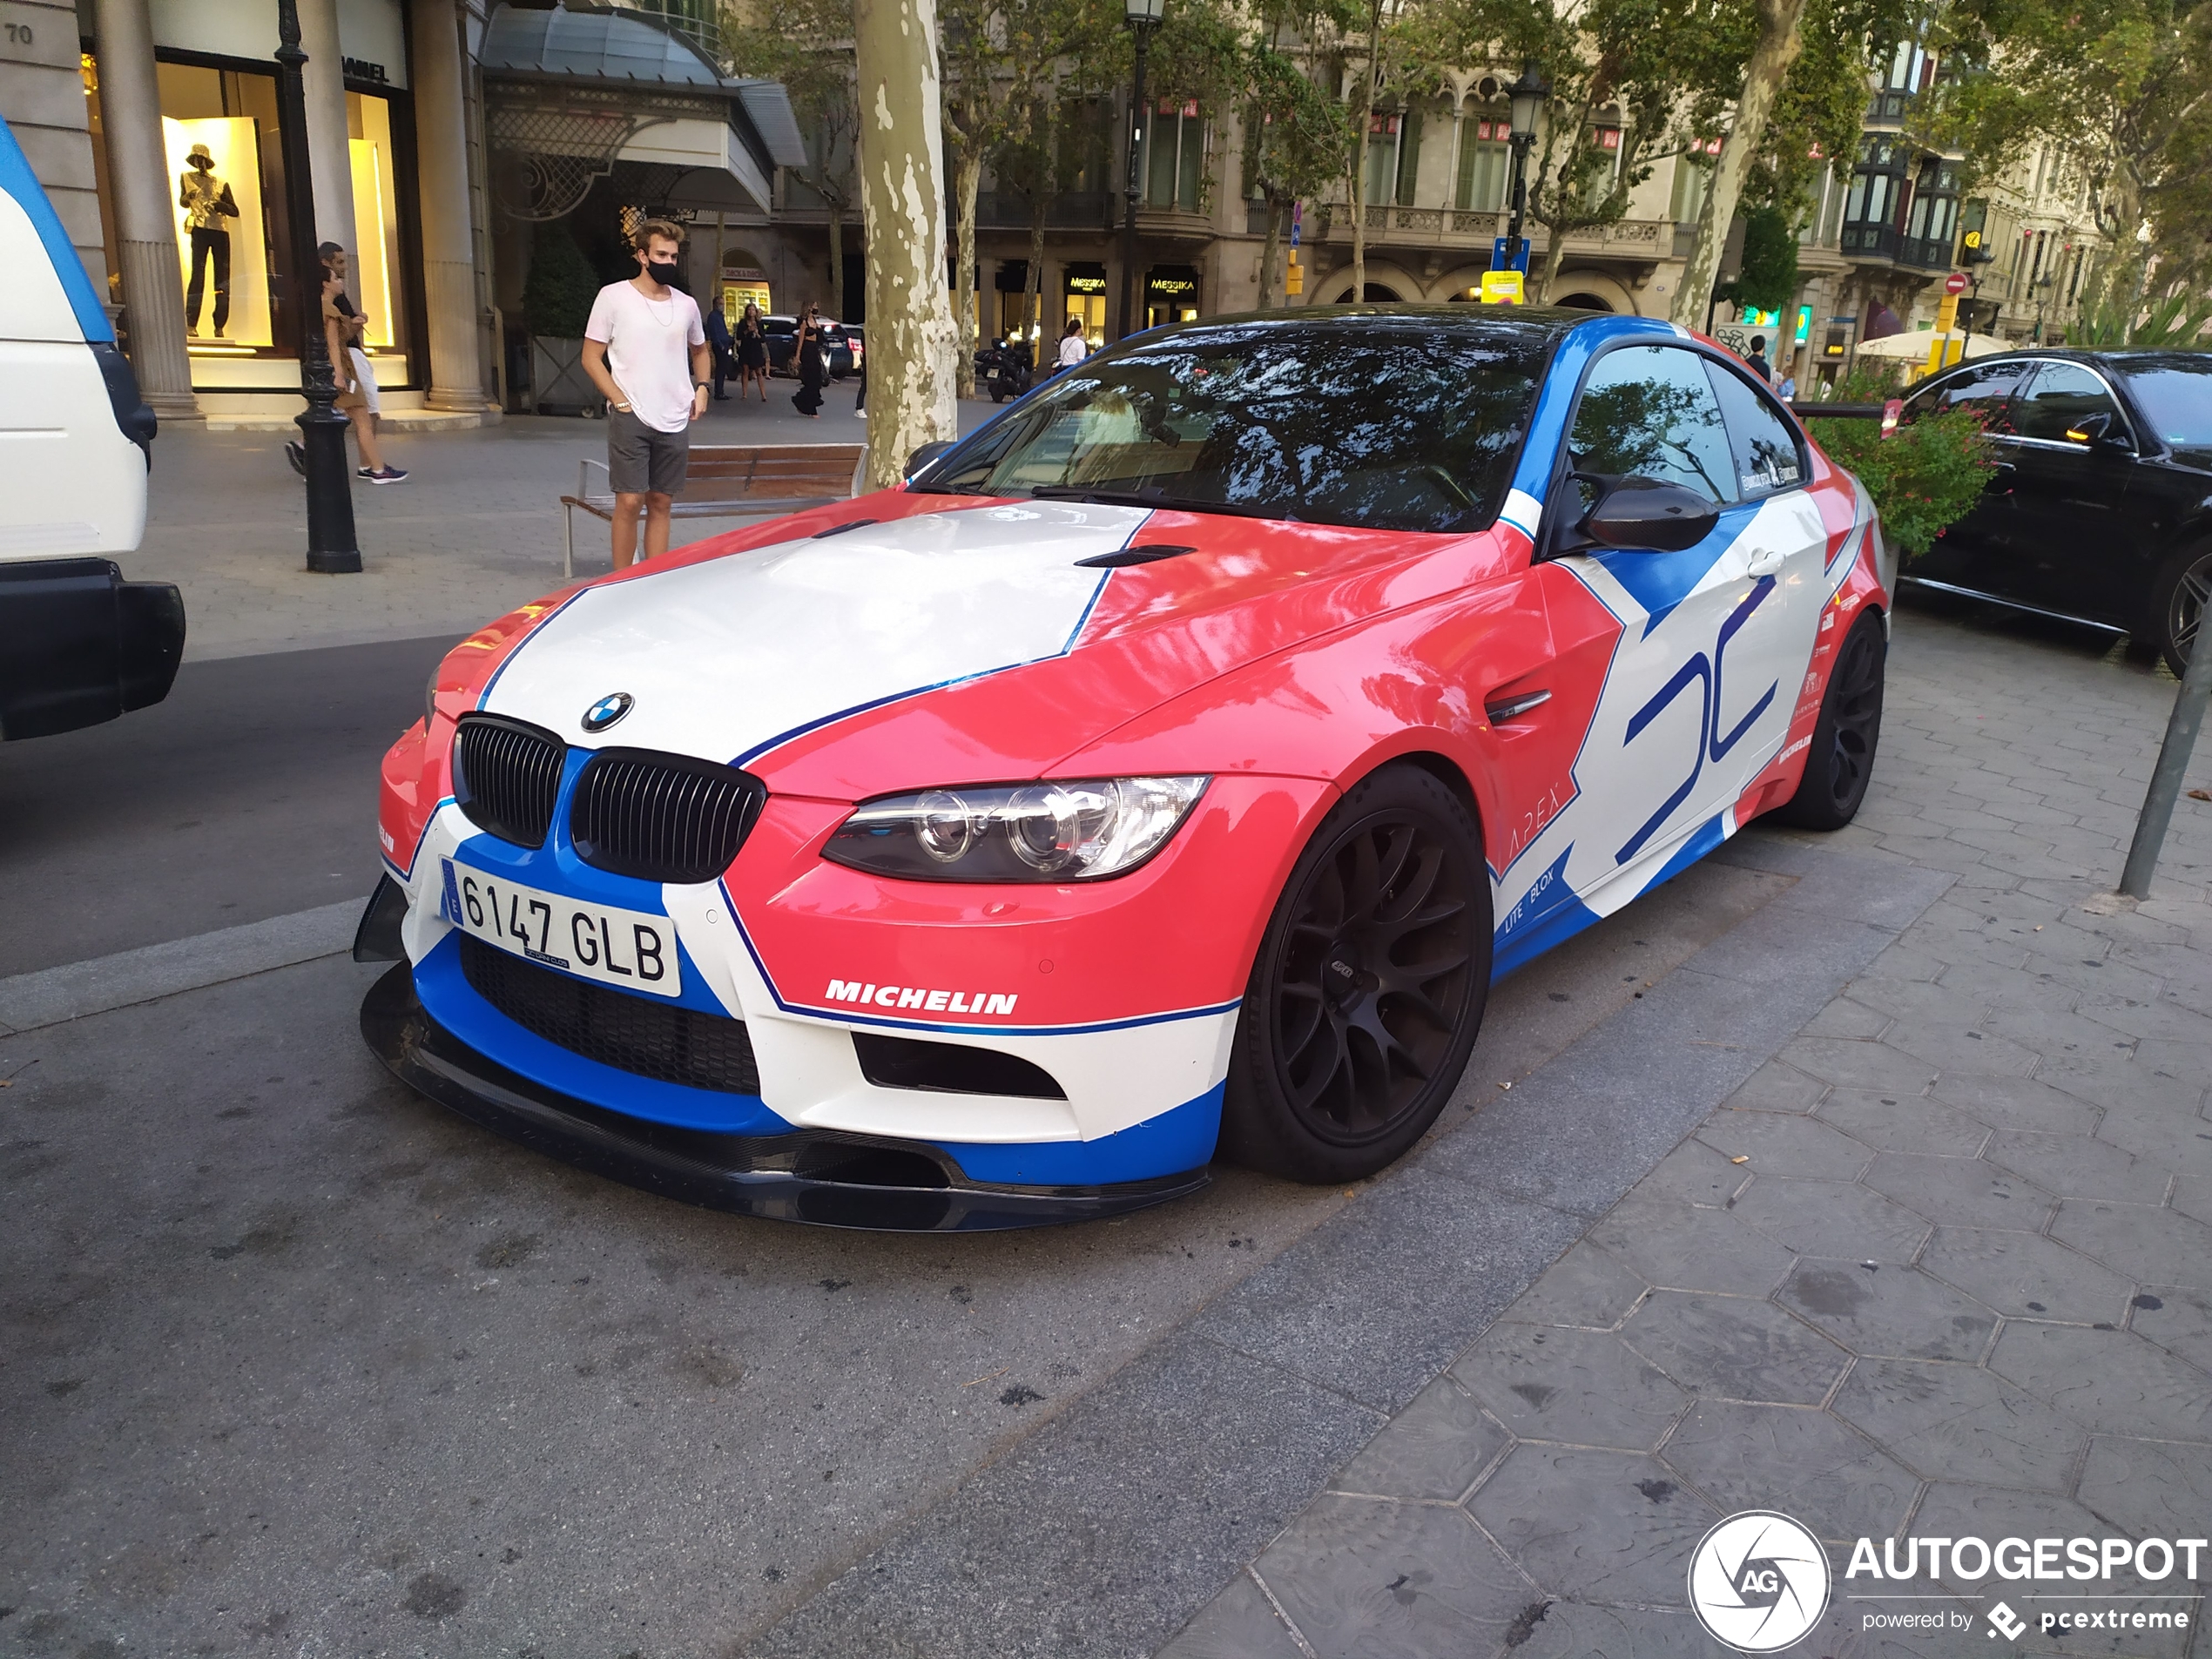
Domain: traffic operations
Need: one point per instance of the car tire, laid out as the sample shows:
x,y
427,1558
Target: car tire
x,y
2179,599
1369,986
1840,760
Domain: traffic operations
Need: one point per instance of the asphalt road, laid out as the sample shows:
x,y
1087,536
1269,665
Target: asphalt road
x,y
250,792
294,1362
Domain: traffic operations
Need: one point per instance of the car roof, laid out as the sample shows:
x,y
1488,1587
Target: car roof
x,y
1463,319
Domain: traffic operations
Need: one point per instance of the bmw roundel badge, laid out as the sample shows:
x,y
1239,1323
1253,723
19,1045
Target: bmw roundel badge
x,y
608,709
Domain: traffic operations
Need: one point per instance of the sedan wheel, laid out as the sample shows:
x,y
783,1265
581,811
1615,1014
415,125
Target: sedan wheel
x,y
1840,762
2182,598
1369,987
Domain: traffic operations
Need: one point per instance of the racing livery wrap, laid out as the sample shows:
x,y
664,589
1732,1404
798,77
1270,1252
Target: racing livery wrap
x,y
911,862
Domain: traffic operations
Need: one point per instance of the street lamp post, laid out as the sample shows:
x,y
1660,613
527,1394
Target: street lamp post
x,y
1142,17
331,546
1528,94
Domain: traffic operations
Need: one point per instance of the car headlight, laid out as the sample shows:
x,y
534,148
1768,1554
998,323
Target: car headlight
x,y
1048,832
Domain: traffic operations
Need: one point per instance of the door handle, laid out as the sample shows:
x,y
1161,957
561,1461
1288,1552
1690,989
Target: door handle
x,y
1766,563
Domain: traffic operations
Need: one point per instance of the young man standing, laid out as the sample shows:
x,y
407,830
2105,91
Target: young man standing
x,y
645,349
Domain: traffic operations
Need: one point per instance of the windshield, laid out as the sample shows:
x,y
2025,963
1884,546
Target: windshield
x,y
1382,423
2174,390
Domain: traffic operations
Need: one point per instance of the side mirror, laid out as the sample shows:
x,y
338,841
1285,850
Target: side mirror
x,y
1638,513
2096,430
923,456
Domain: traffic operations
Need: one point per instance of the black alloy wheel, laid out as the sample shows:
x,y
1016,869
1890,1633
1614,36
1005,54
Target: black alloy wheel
x,y
1369,986
2183,593
1839,763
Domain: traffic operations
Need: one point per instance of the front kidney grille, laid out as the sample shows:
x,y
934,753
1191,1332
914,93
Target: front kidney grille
x,y
506,775
661,817
632,1034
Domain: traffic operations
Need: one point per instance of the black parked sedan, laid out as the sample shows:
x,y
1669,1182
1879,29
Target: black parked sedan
x,y
782,341
2100,508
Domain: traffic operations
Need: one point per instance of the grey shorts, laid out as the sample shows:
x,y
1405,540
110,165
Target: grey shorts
x,y
641,459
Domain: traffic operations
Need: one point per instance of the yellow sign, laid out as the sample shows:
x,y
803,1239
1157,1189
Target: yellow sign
x,y
1973,239
1501,288
1946,348
1294,278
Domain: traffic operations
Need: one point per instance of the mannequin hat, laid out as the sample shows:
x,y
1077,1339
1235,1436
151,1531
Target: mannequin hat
x,y
199,153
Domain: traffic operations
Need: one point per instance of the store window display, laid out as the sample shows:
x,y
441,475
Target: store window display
x,y
205,198
375,269
218,129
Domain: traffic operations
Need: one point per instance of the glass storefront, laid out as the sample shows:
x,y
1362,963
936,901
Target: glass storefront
x,y
218,129
1083,288
377,272
1170,295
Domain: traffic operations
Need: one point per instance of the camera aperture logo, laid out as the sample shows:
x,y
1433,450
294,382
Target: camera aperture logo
x,y
1758,1582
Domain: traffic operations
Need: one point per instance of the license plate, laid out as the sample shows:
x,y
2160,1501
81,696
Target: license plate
x,y
627,948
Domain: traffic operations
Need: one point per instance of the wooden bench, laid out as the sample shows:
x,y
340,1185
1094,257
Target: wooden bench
x,y
732,481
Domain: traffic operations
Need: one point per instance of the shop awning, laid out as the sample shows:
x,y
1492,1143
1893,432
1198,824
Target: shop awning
x,y
592,45
713,157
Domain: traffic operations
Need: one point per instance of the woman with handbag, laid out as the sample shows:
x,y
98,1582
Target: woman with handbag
x,y
353,400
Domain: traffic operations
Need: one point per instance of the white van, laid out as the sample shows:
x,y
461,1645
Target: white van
x,y
78,645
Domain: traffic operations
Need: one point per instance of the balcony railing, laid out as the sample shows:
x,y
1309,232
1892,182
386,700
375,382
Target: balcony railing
x,y
1458,227
1887,242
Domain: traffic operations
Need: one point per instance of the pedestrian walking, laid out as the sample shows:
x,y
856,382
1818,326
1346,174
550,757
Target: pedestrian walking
x,y
718,344
645,349
353,400
333,258
1073,346
808,358
752,352
1788,389
1757,361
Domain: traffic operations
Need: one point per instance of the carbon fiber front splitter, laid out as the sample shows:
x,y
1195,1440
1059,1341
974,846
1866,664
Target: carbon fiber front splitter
x,y
821,1176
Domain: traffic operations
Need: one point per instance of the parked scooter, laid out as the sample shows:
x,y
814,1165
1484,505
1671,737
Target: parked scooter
x,y
1006,366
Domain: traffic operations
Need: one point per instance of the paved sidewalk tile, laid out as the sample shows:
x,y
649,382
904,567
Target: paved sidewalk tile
x,y
1942,1264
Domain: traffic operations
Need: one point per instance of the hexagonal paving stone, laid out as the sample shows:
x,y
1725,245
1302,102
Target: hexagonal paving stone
x,y
1735,1348
1903,1122
2166,1134
1778,1088
1844,1018
1236,1624
1889,1310
2017,1102
1682,1247
1960,1423
1953,1049
2192,1196
1362,1577
1573,1631
2149,1244
1694,1173
1784,1143
2177,1319
1612,1528
1832,1219
1855,1063
2111,1382
2025,1275
1991,1515
2077,1166
1960,1192
1582,1387
2154,1020
1434,1448
1804,1463
2149,1488
1584,1287
2139,1083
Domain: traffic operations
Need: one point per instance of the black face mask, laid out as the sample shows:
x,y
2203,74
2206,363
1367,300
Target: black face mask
x,y
663,273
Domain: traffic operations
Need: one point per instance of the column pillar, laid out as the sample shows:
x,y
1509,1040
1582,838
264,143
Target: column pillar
x,y
442,165
330,163
142,191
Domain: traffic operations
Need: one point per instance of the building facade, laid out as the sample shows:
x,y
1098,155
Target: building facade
x,y
443,136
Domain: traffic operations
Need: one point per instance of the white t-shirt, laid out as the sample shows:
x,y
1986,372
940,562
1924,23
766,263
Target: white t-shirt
x,y
649,350
1073,349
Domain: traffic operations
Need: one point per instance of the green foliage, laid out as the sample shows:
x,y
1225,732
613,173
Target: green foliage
x,y
1769,277
1925,477
2180,320
556,298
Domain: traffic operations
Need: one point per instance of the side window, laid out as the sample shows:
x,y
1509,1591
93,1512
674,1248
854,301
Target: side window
x,y
1650,410
2061,396
1986,390
1764,443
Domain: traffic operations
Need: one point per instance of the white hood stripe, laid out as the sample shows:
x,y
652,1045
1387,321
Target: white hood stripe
x,y
729,659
